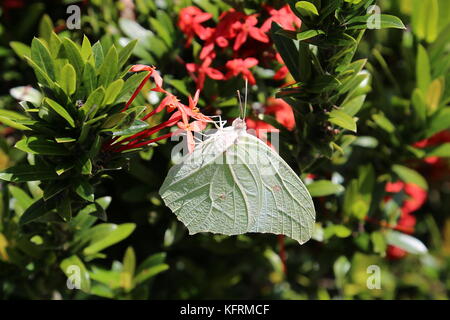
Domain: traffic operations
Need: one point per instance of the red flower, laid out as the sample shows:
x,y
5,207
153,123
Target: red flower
x,y
435,168
282,111
438,138
407,221
204,70
395,253
189,21
283,71
223,32
260,129
171,104
238,66
284,17
195,126
247,28
417,197
12,4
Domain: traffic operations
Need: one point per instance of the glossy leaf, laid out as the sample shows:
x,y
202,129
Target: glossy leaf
x,y
323,188
410,176
59,109
343,120
114,235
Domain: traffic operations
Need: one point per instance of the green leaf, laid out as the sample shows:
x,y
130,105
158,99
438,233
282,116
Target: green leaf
x,y
113,235
85,190
405,242
383,122
439,121
53,188
76,272
323,188
41,75
434,94
379,242
86,168
305,35
68,80
89,78
13,124
442,151
55,45
42,146
74,55
149,273
425,19
323,83
341,267
125,52
353,106
63,167
287,49
114,120
128,269
86,49
98,54
60,110
41,56
45,27
423,69
306,9
410,176
113,91
37,210
419,105
137,126
21,49
341,231
25,172
65,139
93,103
64,208
343,120
371,22
152,261
109,68
20,196
161,31
130,86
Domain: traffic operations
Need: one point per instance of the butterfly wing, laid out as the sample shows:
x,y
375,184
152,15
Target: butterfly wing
x,y
237,188
287,207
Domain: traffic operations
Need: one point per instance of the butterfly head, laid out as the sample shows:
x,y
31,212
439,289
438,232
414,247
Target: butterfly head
x,y
239,124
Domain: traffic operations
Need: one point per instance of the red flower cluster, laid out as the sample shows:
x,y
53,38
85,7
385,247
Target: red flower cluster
x,y
181,116
435,168
280,110
407,221
238,31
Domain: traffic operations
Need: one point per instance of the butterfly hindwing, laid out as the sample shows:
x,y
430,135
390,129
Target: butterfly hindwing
x,y
287,206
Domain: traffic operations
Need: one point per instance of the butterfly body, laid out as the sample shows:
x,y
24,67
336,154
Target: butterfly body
x,y
234,183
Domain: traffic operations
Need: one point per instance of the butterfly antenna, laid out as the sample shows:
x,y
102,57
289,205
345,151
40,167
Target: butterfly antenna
x,y
245,98
242,114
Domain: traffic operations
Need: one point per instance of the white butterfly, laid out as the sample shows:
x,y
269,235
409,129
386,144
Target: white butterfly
x,y
233,183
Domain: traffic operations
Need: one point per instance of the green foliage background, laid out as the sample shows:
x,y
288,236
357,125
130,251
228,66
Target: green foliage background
x,y
143,252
